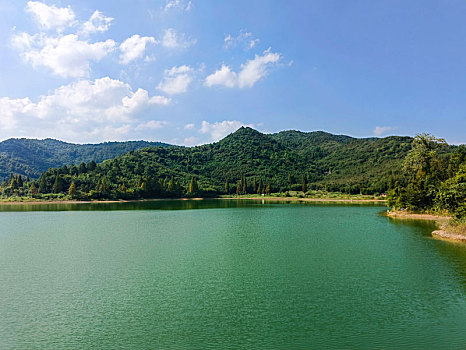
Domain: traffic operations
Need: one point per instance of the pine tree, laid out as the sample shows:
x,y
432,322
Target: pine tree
x,y
267,189
19,180
193,187
245,185
238,188
13,183
42,184
57,185
260,188
33,190
227,187
171,184
304,186
254,185
72,189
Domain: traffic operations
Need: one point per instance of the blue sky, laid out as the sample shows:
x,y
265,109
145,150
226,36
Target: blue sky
x,y
190,72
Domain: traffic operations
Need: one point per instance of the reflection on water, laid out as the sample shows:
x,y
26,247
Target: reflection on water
x,y
176,204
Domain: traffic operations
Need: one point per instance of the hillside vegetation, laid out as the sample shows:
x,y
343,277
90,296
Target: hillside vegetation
x,y
246,161
30,157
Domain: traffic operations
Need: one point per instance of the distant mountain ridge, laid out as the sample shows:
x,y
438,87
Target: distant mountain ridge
x,y
31,157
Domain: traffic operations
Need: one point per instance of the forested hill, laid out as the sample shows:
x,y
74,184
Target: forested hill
x,y
239,163
31,157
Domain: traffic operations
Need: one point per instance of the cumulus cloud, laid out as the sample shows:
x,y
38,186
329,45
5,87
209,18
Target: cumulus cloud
x,y
381,130
176,80
134,47
244,38
172,40
98,22
66,56
51,17
219,130
251,72
189,126
81,111
178,5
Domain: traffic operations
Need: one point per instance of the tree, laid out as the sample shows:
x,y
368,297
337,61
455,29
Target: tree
x,y
43,184
260,187
91,166
19,180
304,186
267,189
82,168
72,189
419,158
193,186
171,184
227,187
33,190
57,185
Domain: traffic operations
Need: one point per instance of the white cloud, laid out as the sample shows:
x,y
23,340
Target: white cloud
x,y
380,130
189,126
178,5
176,80
152,124
134,47
223,76
66,55
172,40
81,111
96,23
244,38
49,17
219,130
251,72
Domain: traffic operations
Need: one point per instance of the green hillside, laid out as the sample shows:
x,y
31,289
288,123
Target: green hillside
x,y
282,161
30,157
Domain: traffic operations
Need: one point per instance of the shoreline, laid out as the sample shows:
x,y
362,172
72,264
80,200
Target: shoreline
x,y
441,221
289,199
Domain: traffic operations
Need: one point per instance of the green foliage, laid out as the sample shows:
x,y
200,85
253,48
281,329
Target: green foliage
x,y
32,157
425,184
249,162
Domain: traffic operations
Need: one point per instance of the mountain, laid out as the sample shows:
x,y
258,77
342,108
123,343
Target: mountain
x,y
31,157
326,161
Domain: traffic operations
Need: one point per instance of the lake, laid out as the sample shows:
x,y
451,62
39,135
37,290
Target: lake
x,y
226,274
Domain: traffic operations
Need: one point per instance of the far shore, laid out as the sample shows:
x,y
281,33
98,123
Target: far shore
x,y
442,221
269,198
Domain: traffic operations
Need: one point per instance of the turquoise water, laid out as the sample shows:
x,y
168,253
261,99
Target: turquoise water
x,y
226,275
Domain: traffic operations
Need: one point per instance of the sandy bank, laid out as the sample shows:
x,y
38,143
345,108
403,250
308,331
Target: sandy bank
x,y
448,235
408,215
442,222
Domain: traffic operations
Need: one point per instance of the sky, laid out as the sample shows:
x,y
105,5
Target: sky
x,y
190,72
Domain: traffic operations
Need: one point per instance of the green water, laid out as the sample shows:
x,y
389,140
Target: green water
x,y
226,275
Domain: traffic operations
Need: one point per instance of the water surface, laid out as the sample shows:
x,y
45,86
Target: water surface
x,y
234,275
